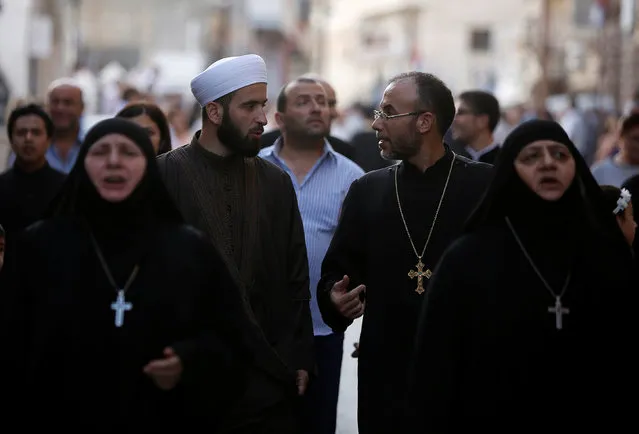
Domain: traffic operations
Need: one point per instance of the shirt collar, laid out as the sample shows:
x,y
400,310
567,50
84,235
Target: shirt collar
x,y
476,155
78,141
407,169
276,148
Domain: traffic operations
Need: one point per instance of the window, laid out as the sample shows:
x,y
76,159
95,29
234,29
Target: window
x,y
480,40
584,13
305,10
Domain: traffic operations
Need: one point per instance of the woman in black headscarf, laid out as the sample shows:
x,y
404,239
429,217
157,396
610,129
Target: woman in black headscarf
x,y
123,319
150,117
525,320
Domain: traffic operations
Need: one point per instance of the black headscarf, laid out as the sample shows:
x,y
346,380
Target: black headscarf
x,y
553,231
117,223
507,195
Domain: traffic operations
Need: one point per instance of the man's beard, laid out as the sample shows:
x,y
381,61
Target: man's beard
x,y
402,149
231,137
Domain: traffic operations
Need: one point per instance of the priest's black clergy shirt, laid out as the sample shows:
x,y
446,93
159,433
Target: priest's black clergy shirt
x,y
371,246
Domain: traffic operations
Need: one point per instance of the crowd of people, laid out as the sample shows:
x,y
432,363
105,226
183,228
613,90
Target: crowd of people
x,y
157,280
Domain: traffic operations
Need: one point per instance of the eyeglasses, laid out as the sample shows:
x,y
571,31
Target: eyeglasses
x,y
379,114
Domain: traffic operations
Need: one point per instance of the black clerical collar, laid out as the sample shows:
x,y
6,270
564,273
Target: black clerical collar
x,y
19,171
409,170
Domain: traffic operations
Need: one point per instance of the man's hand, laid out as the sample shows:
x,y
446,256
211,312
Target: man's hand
x,y
347,302
302,382
166,373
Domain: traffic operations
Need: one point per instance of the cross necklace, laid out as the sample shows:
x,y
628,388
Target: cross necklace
x,y
420,273
558,309
120,305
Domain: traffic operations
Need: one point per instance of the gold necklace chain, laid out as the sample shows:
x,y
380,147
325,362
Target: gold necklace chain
x,y
432,226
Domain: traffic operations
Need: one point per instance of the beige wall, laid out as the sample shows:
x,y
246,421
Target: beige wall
x,y
14,44
442,42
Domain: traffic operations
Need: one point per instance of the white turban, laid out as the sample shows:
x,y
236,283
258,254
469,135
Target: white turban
x,y
228,75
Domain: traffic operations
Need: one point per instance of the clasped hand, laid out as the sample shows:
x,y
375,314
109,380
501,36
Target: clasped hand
x,y
165,373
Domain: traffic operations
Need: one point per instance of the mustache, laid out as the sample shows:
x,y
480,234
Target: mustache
x,y
258,130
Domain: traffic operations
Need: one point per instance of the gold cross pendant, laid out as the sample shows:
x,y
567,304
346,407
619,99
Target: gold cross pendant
x,y
420,274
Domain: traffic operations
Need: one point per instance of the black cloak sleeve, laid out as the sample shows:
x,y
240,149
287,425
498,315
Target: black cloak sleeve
x,y
215,359
298,282
439,346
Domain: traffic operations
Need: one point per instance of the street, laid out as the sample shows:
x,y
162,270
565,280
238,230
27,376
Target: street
x,y
347,406
4,149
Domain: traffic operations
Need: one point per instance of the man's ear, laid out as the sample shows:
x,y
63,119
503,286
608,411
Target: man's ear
x,y
279,120
483,121
425,123
214,112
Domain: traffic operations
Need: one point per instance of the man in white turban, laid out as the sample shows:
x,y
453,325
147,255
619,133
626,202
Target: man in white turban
x,y
214,88
248,208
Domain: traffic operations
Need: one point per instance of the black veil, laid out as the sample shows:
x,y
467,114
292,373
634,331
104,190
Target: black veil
x,y
124,230
150,200
582,207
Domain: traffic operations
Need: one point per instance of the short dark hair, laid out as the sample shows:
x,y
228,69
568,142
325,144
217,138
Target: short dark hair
x,y
2,232
282,98
224,101
483,103
26,110
629,123
135,109
432,95
130,92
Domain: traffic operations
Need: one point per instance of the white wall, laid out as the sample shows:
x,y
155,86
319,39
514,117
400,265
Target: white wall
x,y
14,45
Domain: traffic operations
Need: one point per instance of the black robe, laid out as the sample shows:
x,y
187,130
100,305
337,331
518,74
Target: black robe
x,y
490,358
490,157
371,246
73,370
248,208
489,355
24,197
632,185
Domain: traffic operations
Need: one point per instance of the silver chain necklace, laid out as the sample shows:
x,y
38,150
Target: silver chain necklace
x,y
421,273
120,305
558,310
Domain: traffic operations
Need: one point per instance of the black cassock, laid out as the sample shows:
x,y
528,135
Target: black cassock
x,y
530,318
24,197
371,247
490,357
72,369
248,208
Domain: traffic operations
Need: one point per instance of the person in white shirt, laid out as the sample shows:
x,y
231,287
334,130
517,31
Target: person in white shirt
x,y
615,170
477,117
